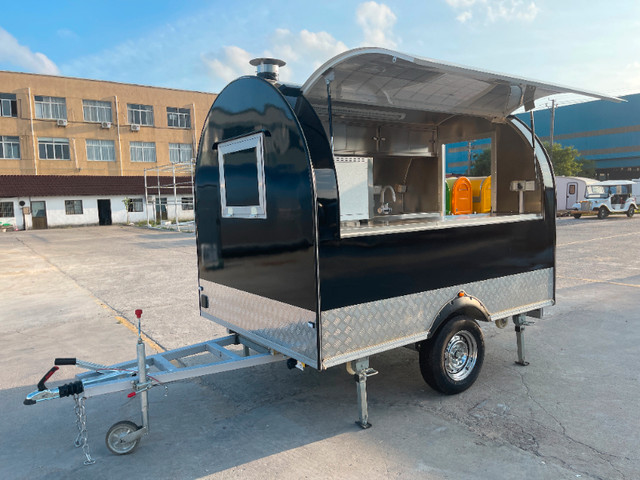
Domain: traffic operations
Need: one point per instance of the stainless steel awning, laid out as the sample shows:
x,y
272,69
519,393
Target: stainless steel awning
x,y
384,78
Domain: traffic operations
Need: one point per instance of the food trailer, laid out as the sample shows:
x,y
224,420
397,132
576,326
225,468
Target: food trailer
x,y
323,233
321,212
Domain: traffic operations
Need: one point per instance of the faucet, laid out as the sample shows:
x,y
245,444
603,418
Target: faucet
x,y
384,208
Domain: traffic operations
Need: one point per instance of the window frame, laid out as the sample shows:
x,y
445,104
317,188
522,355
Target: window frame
x,y
100,147
10,102
142,111
70,207
186,203
44,102
53,143
3,211
99,107
143,147
5,142
252,141
135,202
181,115
180,148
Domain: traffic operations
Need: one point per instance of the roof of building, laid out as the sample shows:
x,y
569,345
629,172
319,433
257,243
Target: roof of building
x,y
61,185
65,78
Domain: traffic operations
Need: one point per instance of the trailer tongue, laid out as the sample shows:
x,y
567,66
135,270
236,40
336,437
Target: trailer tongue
x,y
139,375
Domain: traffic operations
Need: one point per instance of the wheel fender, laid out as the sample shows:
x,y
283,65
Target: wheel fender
x,y
462,303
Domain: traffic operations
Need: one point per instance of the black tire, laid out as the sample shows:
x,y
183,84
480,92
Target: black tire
x,y
603,213
631,211
577,215
451,361
118,431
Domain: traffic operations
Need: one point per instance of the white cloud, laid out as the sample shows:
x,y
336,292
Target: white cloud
x,y
232,63
511,9
495,10
12,52
377,21
303,51
464,16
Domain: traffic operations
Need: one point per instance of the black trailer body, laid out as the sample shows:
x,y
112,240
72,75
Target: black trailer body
x,y
322,212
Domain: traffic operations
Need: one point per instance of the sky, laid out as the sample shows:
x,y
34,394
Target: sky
x,y
203,45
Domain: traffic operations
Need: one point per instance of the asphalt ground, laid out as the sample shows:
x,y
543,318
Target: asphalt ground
x,y
572,413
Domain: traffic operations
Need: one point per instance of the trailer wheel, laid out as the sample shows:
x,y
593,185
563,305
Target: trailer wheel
x,y
631,211
115,434
603,213
451,361
577,215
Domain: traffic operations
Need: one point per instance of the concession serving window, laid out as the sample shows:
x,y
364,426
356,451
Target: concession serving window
x,y
242,185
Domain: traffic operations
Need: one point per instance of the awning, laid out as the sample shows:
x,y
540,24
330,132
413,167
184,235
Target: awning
x,y
384,78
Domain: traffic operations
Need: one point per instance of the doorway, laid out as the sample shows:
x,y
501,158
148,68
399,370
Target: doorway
x,y
572,194
104,212
39,215
161,209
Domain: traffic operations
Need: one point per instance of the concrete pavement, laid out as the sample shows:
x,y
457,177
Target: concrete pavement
x,y
570,414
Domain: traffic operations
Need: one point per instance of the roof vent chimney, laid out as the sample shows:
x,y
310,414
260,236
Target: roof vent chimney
x,y
267,68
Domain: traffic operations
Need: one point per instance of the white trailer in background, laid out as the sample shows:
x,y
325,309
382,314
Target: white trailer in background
x,y
570,190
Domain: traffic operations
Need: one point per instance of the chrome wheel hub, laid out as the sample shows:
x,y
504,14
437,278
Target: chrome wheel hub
x,y
460,355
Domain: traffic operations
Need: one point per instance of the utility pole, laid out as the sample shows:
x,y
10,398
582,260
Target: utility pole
x,y
553,117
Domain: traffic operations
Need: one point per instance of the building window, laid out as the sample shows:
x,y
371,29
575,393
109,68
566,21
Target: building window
x,y
101,151
51,107
187,203
73,207
6,209
135,204
96,111
53,148
10,147
140,114
8,105
178,117
143,152
180,152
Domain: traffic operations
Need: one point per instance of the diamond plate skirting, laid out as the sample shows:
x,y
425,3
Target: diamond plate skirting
x,y
358,331
277,325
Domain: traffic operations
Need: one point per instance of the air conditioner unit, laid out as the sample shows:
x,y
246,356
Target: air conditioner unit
x,y
135,127
105,125
62,122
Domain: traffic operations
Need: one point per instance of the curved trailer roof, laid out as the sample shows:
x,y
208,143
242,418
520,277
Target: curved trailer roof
x,y
385,78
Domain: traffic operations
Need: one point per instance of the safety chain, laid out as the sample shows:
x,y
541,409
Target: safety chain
x,y
81,423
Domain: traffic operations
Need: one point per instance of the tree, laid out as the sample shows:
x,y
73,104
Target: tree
x,y
127,206
481,166
566,161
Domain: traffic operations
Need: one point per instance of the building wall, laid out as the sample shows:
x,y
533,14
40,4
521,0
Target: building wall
x,y
57,216
606,132
29,129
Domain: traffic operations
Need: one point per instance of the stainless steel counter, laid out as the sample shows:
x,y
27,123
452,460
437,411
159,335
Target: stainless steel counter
x,y
413,222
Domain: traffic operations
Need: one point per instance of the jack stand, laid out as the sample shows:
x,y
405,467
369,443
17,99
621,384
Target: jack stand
x,y
521,322
360,370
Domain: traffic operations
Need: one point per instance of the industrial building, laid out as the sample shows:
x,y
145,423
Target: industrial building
x,y
605,132
75,151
